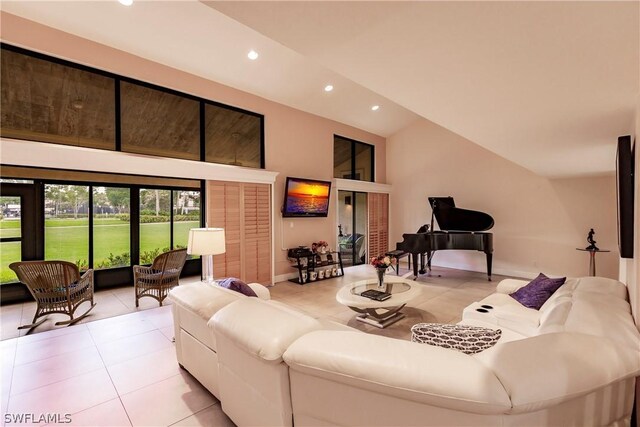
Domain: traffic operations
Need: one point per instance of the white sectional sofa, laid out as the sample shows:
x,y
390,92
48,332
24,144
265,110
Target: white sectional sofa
x,y
573,362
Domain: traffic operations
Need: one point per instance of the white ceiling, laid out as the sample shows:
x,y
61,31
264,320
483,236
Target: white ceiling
x,y
548,85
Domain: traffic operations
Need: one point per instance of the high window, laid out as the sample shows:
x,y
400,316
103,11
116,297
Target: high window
x,y
352,159
50,100
159,123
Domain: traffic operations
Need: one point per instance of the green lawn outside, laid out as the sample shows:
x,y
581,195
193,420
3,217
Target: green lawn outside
x,y
68,240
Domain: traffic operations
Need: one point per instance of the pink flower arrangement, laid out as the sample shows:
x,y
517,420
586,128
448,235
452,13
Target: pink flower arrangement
x,y
382,261
319,245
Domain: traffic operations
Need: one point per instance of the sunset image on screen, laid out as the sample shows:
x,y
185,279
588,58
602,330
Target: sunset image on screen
x,y
307,197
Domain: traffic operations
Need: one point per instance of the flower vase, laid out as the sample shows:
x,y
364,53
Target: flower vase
x,y
381,285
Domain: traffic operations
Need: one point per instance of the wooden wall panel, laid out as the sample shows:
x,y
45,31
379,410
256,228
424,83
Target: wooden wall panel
x,y
244,211
378,223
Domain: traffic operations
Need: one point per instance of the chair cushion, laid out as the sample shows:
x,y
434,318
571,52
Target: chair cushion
x,y
235,284
538,291
464,338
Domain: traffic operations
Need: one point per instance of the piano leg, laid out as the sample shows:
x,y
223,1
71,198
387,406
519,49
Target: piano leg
x,y
414,257
489,259
429,256
422,269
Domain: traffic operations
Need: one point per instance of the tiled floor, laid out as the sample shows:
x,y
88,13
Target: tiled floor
x,y
122,371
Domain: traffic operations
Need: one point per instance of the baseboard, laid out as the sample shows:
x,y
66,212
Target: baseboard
x,y
285,277
499,271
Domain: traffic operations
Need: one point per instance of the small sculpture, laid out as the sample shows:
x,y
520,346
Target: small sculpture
x,y
592,243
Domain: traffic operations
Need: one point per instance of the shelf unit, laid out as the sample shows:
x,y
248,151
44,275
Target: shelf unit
x,y
314,263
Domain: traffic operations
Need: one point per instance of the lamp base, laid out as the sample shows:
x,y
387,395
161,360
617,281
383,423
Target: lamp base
x,y
207,269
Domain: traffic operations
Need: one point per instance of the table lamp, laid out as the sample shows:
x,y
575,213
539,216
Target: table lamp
x,y
206,242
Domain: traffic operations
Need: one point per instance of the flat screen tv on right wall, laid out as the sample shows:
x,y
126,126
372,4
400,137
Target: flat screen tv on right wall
x,y
625,170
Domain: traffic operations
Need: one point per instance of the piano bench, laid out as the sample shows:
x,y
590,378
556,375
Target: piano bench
x,y
398,255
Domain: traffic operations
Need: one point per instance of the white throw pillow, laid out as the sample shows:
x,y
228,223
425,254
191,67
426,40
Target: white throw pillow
x,y
464,338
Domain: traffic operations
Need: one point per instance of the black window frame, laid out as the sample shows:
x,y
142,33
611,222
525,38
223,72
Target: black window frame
x,y
354,144
117,96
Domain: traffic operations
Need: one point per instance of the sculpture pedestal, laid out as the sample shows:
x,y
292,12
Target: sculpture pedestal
x,y
592,259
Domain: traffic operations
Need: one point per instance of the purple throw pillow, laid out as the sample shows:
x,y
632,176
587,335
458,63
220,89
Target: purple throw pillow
x,y
235,284
538,291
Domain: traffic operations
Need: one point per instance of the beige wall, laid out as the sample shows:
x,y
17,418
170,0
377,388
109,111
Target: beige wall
x,y
539,222
297,143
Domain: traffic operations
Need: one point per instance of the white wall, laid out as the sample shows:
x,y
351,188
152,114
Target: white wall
x,y
539,222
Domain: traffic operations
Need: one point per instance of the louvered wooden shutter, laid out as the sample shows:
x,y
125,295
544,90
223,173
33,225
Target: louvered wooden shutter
x,y
244,211
257,233
378,223
223,210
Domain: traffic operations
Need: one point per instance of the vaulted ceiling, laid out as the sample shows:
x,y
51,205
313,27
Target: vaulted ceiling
x,y
547,85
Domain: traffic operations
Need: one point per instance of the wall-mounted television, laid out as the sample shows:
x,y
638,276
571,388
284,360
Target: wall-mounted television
x,y
306,198
625,170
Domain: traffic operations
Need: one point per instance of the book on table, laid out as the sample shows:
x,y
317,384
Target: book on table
x,y
376,295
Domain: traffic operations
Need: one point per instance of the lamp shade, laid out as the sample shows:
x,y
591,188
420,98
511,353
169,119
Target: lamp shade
x,y
206,241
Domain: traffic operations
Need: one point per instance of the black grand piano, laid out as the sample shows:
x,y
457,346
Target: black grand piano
x,y
459,229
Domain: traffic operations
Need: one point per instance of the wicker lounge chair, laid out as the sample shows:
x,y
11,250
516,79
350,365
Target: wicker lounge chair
x,y
57,287
157,280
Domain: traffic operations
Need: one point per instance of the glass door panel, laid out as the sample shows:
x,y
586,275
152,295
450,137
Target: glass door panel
x,y
186,215
66,225
111,227
352,228
10,236
155,223
360,226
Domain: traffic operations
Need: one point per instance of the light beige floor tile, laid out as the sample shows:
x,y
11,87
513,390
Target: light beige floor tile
x,y
56,331
209,417
169,332
111,332
160,316
167,402
7,357
53,369
144,370
69,396
27,352
109,414
128,348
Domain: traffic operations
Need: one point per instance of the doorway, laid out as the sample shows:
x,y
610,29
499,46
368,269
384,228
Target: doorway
x,y
352,228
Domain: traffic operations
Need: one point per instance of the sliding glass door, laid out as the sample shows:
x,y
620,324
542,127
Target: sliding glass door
x,y
352,231
105,227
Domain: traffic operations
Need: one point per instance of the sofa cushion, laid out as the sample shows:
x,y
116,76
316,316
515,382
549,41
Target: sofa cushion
x,y
237,285
399,369
464,338
538,291
262,329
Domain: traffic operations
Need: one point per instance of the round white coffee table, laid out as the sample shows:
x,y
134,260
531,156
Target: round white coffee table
x,y
379,313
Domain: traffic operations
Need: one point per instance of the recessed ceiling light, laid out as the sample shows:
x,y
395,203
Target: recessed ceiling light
x,y
126,2
252,55
328,88
375,108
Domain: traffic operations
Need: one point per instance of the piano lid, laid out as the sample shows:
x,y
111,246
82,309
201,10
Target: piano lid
x,y
451,218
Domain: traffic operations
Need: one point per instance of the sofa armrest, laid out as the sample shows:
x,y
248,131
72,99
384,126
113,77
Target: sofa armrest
x,y
417,372
545,370
509,286
261,291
